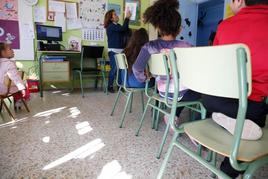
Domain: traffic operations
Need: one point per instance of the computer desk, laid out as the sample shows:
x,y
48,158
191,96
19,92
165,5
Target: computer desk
x,y
42,54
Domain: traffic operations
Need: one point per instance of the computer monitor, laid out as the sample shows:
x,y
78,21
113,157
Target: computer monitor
x,y
49,33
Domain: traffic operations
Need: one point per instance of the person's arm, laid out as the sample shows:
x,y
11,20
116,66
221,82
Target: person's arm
x,y
119,28
139,66
14,76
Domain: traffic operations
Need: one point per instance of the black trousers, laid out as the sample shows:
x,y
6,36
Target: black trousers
x,y
256,111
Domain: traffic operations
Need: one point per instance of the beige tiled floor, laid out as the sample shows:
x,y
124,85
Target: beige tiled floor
x,y
66,136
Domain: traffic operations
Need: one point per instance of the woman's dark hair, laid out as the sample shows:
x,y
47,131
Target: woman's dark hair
x,y
164,16
108,17
3,46
255,2
136,42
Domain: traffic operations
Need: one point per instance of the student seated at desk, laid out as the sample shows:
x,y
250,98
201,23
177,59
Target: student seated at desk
x,y
137,40
8,68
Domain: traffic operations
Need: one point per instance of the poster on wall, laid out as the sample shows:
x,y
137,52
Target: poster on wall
x,y
92,13
134,6
9,32
115,7
9,10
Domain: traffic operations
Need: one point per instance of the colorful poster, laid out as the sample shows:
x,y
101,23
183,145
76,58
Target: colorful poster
x,y
92,13
115,7
9,10
9,32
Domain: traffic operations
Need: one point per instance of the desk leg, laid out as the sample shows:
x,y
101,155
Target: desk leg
x,y
40,76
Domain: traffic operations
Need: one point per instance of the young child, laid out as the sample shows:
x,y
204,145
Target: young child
x,y
8,68
136,42
115,34
248,26
164,16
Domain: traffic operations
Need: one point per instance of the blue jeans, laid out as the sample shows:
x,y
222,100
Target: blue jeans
x,y
112,72
131,82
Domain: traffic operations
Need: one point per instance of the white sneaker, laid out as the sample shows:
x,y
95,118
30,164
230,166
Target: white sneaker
x,y
251,130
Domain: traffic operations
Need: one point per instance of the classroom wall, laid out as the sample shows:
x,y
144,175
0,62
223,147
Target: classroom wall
x,y
27,64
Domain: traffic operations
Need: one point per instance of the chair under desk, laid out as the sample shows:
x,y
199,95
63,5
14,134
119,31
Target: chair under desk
x,y
55,71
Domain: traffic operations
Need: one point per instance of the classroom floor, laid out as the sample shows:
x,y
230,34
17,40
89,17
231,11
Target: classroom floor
x,y
66,136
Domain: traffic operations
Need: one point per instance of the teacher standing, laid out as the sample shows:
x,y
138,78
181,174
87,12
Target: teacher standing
x,y
115,34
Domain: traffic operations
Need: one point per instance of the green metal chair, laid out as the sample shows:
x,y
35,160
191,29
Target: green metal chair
x,y
223,71
159,66
91,52
122,68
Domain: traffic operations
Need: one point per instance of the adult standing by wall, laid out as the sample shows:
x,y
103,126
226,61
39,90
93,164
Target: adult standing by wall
x,y
115,34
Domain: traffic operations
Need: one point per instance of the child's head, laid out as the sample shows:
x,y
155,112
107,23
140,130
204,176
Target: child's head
x,y
237,5
136,42
6,51
110,17
165,17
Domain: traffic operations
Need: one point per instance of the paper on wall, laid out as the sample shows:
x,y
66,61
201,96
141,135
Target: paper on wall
x,y
27,30
93,34
74,24
60,21
131,7
71,11
74,43
56,6
40,14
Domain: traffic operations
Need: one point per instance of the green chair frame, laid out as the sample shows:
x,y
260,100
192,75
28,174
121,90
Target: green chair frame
x,y
92,72
121,64
189,68
159,65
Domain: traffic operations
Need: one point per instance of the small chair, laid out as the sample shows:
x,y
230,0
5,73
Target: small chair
x,y
10,84
91,52
159,65
223,71
122,68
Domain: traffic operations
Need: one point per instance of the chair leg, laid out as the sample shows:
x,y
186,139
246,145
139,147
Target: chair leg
x,y
163,141
73,81
255,166
8,111
25,104
154,113
142,101
143,116
157,116
213,162
170,149
116,100
126,108
131,101
81,84
1,105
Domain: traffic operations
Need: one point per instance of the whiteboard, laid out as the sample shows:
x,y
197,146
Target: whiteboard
x,y
26,51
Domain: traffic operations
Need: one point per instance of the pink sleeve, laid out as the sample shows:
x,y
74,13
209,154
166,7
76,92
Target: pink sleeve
x,y
14,75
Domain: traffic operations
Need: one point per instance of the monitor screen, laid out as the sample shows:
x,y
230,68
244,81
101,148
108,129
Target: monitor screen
x,y
49,33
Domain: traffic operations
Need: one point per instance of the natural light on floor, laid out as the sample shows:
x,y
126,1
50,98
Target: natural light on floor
x,y
80,153
74,112
83,128
49,112
113,170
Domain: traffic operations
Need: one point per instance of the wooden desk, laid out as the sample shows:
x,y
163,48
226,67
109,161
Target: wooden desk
x,y
42,54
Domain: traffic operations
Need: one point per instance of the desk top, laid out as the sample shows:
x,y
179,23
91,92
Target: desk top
x,y
62,51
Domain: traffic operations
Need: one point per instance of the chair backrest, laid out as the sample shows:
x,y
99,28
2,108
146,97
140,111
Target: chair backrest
x,y
158,64
121,61
215,70
90,52
9,83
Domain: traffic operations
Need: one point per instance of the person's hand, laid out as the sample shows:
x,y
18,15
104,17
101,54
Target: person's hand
x,y
147,74
128,14
23,92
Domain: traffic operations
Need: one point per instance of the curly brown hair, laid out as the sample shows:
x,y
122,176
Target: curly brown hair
x,y
164,16
136,42
107,18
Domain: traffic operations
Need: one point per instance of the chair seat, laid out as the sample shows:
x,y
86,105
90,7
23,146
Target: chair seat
x,y
219,140
87,70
